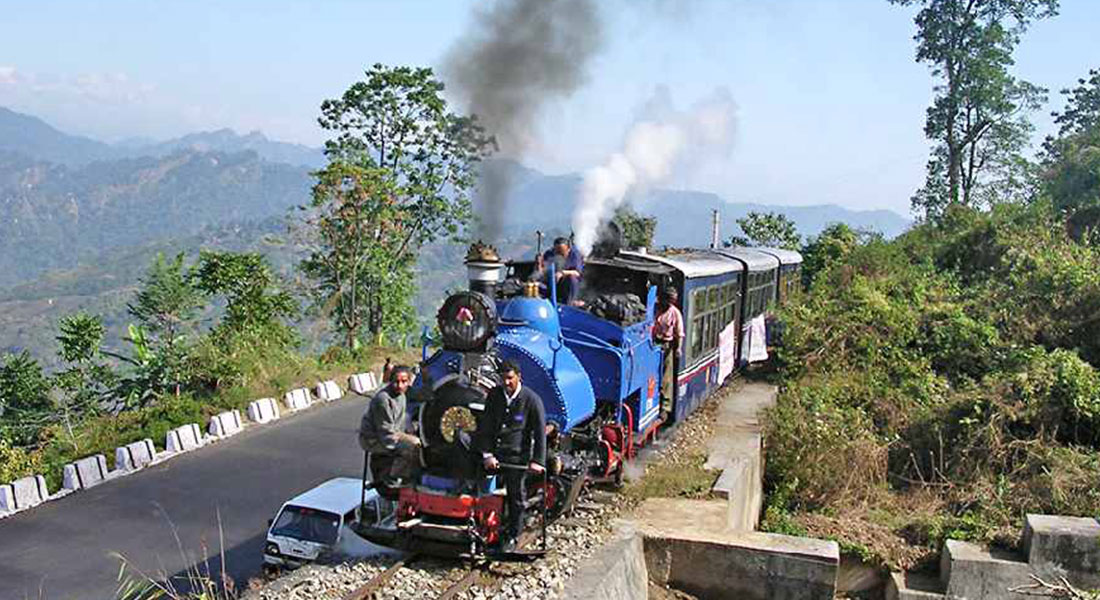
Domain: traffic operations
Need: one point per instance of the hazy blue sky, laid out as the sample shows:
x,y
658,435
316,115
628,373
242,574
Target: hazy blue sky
x,y
831,103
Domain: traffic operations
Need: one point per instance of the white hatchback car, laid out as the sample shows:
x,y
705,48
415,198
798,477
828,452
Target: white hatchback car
x,y
317,522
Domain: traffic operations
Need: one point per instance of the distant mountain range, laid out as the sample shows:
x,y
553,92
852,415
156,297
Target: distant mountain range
x,y
545,202
79,218
34,138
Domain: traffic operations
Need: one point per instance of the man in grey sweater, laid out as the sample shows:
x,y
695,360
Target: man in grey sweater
x,y
394,454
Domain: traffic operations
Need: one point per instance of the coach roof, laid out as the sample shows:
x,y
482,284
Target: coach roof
x,y
753,258
692,263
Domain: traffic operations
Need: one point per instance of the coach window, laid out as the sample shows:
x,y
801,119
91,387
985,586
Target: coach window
x,y
698,298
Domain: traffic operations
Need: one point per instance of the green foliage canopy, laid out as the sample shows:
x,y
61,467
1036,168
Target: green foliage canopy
x,y
978,118
401,169
767,229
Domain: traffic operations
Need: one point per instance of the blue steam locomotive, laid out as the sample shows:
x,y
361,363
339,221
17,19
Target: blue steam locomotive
x,y
595,367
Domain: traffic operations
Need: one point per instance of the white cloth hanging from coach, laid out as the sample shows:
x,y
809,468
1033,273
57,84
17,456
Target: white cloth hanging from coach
x,y
754,345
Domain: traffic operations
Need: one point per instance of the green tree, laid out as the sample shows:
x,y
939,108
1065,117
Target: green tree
x,y
354,259
1071,160
254,332
85,384
25,406
978,118
637,229
831,246
165,306
254,304
415,164
767,229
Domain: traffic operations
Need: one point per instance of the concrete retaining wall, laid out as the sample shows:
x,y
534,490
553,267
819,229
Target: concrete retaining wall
x,y
749,566
84,473
263,410
226,424
23,493
137,455
298,399
616,572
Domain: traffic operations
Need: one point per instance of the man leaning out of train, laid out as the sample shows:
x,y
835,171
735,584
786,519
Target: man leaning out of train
x,y
394,453
668,332
513,442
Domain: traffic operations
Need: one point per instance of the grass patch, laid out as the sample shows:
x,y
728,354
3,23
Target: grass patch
x,y
681,476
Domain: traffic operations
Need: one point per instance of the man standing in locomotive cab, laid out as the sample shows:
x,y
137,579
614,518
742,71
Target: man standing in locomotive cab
x,y
394,454
513,442
568,267
668,333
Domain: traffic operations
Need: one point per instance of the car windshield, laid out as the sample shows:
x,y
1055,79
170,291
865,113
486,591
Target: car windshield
x,y
307,524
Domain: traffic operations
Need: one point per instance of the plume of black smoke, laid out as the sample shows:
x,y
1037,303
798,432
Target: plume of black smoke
x,y
519,56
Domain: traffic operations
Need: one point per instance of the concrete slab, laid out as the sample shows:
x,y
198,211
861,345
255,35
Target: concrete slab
x,y
1069,547
973,572
84,473
737,424
736,448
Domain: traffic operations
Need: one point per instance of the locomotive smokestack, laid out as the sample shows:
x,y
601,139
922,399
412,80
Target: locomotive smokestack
x,y
714,230
484,269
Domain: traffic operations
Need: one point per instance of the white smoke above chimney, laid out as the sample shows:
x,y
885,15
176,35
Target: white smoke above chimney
x,y
652,151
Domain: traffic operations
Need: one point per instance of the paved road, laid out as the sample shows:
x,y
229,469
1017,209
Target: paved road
x,y
63,549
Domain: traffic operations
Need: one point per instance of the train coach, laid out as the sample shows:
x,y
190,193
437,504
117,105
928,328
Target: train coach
x,y
595,366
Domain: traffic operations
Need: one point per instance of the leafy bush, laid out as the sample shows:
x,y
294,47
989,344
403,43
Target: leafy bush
x,y
948,379
16,463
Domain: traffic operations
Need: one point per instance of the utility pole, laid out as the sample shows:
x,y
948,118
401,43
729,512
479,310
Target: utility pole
x,y
714,229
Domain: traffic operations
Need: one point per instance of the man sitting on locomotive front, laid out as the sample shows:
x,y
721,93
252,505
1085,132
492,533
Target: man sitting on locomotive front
x,y
394,454
513,440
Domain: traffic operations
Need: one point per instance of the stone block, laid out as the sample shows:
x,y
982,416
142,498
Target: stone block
x,y
184,438
263,410
1069,547
23,493
972,572
84,473
137,455
328,391
362,383
226,424
913,586
298,399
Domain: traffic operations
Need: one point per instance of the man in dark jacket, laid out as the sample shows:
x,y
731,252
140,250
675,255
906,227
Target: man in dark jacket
x,y
514,435
394,454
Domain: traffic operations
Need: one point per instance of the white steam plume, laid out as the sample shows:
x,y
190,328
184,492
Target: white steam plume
x,y
653,149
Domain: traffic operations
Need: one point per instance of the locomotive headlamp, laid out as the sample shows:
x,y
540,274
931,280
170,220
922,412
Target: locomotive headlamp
x,y
455,419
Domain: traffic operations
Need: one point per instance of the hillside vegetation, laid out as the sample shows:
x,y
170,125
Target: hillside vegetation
x,y
946,383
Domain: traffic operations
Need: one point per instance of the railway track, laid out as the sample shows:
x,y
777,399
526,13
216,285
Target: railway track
x,y
483,575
